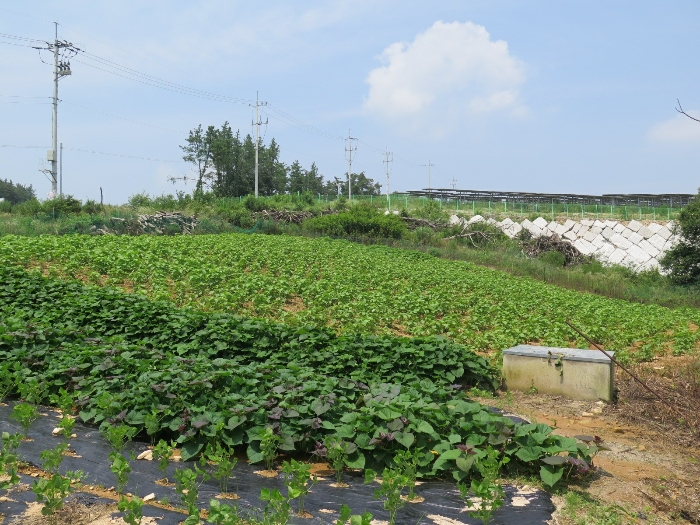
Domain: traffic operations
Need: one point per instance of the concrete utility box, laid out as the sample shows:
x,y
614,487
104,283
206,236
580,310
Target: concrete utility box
x,y
576,374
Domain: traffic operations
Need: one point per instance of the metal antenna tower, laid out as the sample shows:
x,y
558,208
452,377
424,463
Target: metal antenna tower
x,y
388,157
454,182
348,151
61,68
257,125
429,165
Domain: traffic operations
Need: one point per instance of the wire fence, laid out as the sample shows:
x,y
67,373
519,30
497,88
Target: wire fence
x,y
521,210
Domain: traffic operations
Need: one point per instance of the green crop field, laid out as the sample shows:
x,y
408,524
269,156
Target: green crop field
x,y
351,288
200,378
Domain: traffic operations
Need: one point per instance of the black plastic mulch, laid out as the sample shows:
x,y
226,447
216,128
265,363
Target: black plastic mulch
x,y
442,505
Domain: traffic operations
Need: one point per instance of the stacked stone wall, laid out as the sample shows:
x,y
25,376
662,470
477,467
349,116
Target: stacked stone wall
x,y
633,244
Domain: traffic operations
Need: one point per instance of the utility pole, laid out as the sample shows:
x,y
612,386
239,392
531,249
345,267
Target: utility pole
x,y
454,182
61,68
60,173
429,165
388,157
257,125
348,151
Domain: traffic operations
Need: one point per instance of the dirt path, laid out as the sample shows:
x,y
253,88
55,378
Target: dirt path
x,y
651,471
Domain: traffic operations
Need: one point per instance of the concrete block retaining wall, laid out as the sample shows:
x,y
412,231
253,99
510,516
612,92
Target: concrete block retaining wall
x,y
630,244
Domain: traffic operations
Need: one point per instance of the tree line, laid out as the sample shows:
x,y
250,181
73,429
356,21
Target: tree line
x,y
224,163
16,193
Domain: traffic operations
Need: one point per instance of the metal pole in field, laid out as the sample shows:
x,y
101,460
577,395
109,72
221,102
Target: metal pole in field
x,y
61,68
348,150
60,167
388,157
54,130
257,124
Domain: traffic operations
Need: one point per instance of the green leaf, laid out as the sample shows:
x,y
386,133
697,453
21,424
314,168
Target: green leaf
x,y
405,438
465,463
555,460
528,454
550,474
254,456
356,460
443,461
424,427
190,450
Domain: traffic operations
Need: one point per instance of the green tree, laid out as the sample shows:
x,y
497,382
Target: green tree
x,y
682,262
198,152
296,177
16,193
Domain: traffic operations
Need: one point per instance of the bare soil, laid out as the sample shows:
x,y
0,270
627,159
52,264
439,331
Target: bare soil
x,y
653,468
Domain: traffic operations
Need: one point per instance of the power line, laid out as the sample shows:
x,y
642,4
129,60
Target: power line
x,y
120,155
128,72
349,149
24,38
119,70
21,147
303,125
22,102
15,44
124,119
23,14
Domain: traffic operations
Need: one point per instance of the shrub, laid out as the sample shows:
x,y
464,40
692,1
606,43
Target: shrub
x,y
682,262
254,204
65,205
165,203
91,207
360,220
553,258
140,200
236,215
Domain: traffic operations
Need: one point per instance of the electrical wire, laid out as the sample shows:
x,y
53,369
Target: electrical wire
x,y
26,39
158,82
21,147
125,119
23,14
215,98
15,44
109,66
281,115
119,155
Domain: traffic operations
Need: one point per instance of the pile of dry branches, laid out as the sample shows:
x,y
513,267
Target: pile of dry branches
x,y
413,223
289,217
537,245
156,224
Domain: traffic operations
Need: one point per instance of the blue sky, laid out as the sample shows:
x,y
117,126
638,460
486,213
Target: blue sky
x,y
519,96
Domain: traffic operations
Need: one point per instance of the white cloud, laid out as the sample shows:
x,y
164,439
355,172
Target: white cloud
x,y
679,129
452,68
